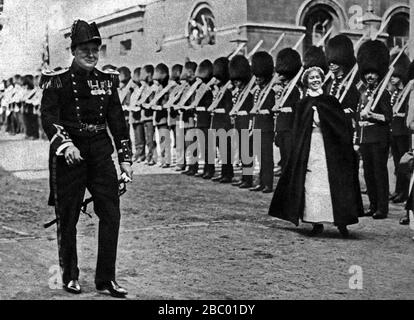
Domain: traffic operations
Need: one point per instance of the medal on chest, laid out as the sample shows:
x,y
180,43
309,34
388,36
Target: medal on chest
x,y
99,88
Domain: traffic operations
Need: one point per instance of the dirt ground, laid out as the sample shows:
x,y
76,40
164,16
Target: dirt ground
x,y
186,238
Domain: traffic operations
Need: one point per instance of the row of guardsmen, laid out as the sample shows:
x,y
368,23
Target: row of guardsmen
x,y
20,99
256,92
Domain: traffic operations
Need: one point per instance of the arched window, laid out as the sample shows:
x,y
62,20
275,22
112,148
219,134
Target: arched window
x,y
202,27
318,17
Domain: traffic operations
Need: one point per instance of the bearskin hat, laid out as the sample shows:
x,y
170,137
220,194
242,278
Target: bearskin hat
x,y
221,69
83,32
373,56
205,70
340,50
288,63
315,57
262,65
401,67
239,69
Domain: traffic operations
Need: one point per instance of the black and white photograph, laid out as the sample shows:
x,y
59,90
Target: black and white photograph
x,y
228,151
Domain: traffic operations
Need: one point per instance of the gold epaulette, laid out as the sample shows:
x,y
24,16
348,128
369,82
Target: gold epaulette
x,y
51,78
114,74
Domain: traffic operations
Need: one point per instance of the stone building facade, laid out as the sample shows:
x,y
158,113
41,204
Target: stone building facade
x,y
137,32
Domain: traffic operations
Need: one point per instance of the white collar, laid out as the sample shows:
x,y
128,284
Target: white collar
x,y
313,93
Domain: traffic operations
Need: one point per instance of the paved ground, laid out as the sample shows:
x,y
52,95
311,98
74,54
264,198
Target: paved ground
x,y
183,238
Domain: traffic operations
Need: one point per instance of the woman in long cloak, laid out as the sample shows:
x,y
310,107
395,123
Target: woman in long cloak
x,y
320,182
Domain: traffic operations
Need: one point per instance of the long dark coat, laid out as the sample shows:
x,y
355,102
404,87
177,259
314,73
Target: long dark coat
x,y
289,197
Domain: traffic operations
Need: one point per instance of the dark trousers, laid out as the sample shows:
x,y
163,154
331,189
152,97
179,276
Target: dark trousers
x,y
209,168
32,125
375,158
139,133
246,144
284,141
399,146
227,170
266,160
98,174
150,139
12,123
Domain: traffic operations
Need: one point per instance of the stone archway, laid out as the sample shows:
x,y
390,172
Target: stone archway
x,y
318,16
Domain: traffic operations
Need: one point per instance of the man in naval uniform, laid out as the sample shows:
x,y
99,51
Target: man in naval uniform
x,y
77,106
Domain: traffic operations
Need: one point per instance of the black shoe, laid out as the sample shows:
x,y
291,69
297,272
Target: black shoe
x,y
237,183
152,163
405,221
246,185
399,199
344,231
317,229
369,213
178,169
257,188
225,180
267,190
208,176
217,179
114,289
199,175
379,215
73,286
166,166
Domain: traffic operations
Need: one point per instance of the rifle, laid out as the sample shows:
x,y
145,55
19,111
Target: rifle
x,y
277,43
188,94
84,206
219,97
259,105
281,102
403,96
163,92
145,97
352,74
176,95
325,36
202,91
257,47
245,93
251,83
235,52
387,79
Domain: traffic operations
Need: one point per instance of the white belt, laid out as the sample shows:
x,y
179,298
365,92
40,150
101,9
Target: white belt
x,y
399,115
242,113
286,109
264,112
219,111
200,108
348,110
366,123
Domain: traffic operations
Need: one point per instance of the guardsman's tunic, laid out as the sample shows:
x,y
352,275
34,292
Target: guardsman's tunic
x,y
77,107
221,120
284,125
242,123
264,122
373,136
400,142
